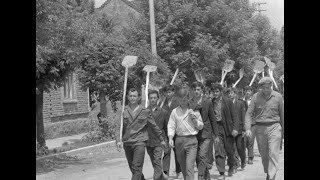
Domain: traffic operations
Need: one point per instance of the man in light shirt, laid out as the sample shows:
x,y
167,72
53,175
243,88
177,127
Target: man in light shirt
x,y
267,109
184,123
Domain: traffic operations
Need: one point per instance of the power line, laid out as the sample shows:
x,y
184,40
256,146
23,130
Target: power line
x,y
258,9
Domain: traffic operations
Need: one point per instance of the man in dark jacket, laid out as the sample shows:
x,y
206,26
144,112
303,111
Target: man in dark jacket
x,y
228,127
154,148
205,106
135,135
240,108
169,103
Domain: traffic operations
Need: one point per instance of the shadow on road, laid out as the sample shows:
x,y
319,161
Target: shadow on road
x,y
47,165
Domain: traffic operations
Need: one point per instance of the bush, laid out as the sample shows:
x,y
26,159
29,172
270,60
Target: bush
x,y
68,128
41,151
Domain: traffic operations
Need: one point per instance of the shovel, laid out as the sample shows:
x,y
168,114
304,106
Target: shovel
x,y
198,75
228,66
127,62
177,70
258,68
148,69
271,68
241,72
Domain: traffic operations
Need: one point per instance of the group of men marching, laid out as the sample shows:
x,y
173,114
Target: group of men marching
x,y
203,125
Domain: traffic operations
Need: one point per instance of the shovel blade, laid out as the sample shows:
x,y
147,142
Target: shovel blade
x,y
150,68
129,61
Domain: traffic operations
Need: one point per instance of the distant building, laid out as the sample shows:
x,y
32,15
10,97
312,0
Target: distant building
x,y
66,103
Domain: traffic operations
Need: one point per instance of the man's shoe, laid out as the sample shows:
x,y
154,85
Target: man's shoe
x,y
230,171
165,176
268,178
243,165
221,177
178,175
250,161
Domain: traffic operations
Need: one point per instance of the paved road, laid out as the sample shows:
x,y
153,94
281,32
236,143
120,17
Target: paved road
x,y
99,165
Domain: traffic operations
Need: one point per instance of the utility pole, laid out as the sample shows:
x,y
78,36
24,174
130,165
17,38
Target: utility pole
x,y
152,29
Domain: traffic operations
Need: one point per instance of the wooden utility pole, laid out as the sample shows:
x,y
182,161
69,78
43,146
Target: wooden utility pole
x,y
152,29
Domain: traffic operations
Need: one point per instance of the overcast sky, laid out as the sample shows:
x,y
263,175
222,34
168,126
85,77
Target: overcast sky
x,y
275,10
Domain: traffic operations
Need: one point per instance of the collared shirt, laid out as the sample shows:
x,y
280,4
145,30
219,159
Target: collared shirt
x,y
264,110
217,109
182,125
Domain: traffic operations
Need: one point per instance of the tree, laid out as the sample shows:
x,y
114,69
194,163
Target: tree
x,y
59,40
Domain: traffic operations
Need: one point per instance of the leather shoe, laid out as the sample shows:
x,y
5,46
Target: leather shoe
x,y
250,161
230,171
243,165
221,177
268,178
166,177
178,175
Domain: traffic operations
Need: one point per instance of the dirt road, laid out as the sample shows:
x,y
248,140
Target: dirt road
x,y
105,163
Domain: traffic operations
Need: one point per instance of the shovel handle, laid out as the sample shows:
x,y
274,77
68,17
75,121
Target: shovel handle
x,y
174,77
271,76
224,73
147,86
254,76
237,82
123,101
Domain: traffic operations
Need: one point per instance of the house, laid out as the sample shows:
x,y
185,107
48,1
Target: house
x,y
66,103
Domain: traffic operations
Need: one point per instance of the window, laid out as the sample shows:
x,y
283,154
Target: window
x,y
69,88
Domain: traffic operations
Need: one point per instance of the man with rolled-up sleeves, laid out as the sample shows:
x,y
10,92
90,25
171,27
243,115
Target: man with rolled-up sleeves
x,y
267,109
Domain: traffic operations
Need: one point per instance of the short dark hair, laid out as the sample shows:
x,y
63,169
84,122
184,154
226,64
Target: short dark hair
x,y
134,89
215,86
153,92
183,93
248,88
197,84
169,87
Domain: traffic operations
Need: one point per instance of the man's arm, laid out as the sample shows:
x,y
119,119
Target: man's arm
x,y
152,124
171,127
249,113
243,114
165,122
281,113
212,119
198,120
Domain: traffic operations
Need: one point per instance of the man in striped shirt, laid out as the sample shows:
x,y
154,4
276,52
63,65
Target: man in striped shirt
x,y
184,123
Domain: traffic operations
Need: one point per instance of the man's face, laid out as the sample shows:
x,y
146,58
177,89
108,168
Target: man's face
x,y
266,89
197,91
170,93
216,93
231,94
133,97
153,98
248,93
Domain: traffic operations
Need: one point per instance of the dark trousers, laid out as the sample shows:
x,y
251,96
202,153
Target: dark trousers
x,y
155,154
223,149
186,148
135,157
210,154
240,148
250,142
166,160
202,158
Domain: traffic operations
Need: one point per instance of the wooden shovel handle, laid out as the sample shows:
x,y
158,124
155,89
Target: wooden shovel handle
x,y
254,76
237,82
147,86
224,73
174,77
123,101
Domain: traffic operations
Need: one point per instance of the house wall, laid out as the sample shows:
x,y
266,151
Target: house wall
x,y
55,108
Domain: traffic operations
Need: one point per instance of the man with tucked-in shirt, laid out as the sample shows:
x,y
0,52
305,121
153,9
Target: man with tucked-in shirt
x,y
228,126
184,123
169,103
154,148
135,120
205,106
267,108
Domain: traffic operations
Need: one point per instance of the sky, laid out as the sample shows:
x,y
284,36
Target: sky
x,y
275,10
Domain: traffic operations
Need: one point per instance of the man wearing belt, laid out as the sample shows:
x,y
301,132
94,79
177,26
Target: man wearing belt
x,y
153,145
228,126
169,104
250,140
135,120
268,110
204,137
184,123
